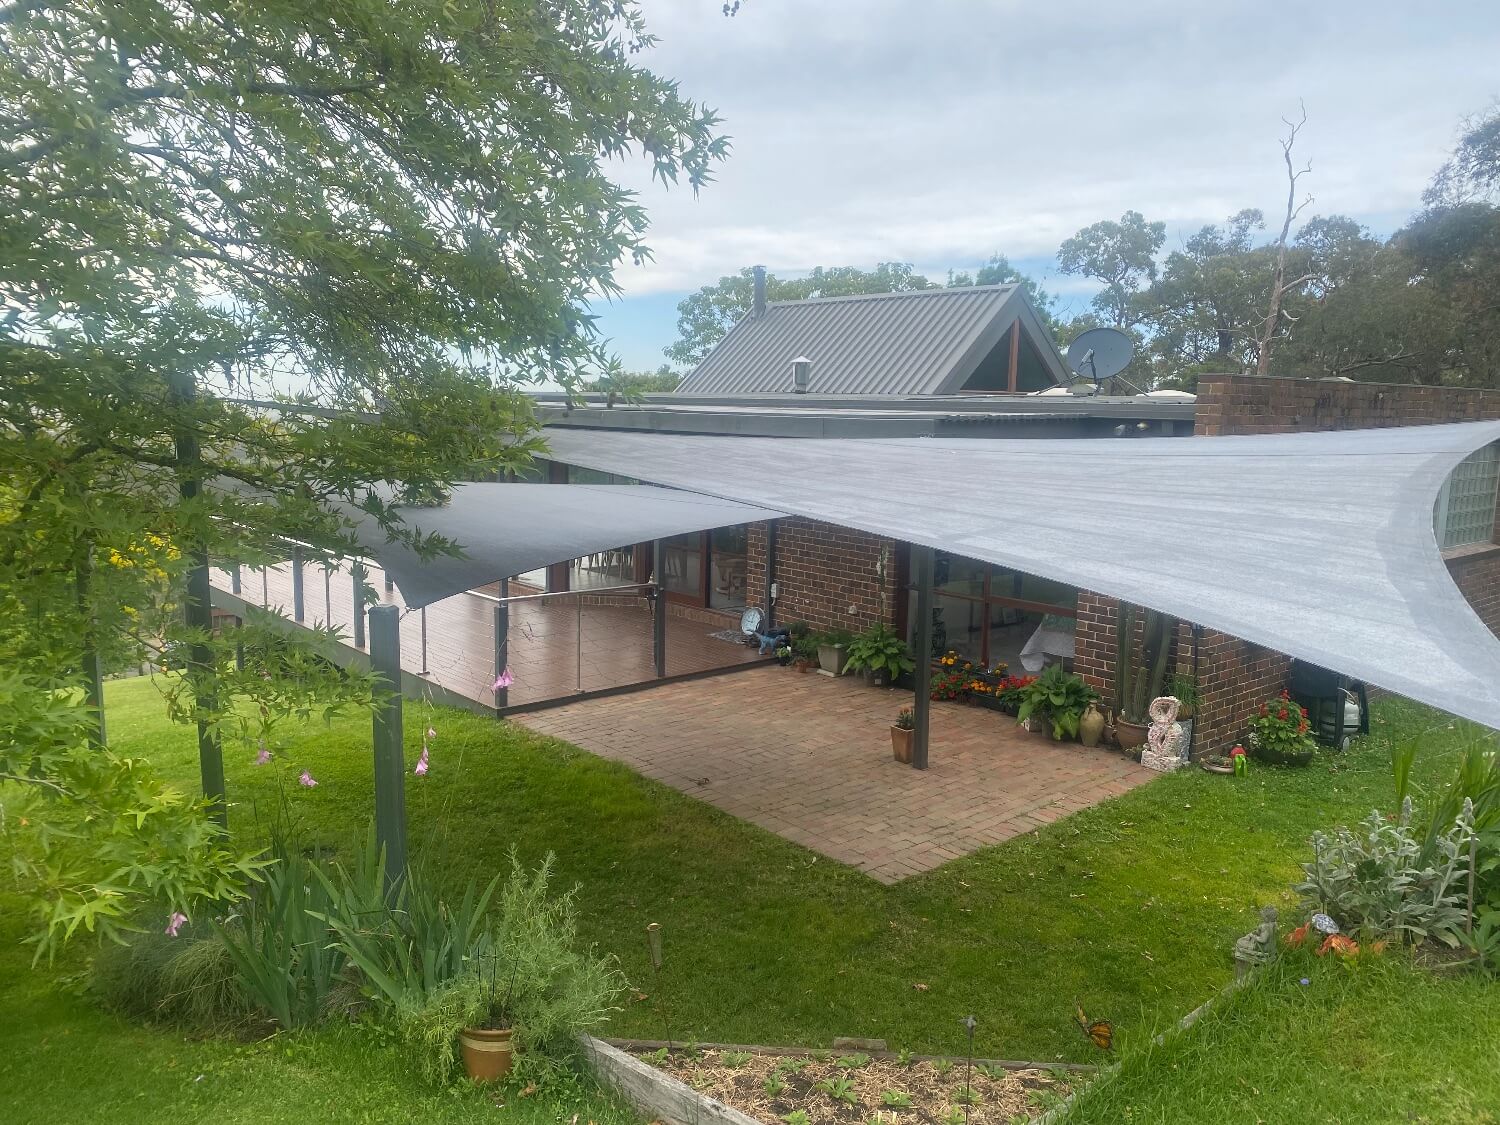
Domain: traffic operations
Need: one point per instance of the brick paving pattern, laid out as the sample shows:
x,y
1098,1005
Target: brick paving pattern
x,y
809,758
544,657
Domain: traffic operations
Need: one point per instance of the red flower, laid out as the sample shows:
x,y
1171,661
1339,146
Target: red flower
x,y
1285,694
1304,711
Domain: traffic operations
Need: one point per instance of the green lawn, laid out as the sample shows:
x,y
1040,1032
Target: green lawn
x,y
1380,1042
1130,907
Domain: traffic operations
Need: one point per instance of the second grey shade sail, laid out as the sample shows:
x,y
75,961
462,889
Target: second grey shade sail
x,y
509,529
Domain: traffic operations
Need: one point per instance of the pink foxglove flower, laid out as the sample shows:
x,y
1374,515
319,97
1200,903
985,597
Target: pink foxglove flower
x,y
504,680
421,770
307,780
431,733
264,757
174,923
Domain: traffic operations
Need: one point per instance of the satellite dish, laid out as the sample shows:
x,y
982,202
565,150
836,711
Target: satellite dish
x,y
1100,353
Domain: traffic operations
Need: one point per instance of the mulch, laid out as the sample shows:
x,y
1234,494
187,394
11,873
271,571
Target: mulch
x,y
935,1088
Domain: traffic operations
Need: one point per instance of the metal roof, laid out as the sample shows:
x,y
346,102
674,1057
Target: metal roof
x,y
1319,545
919,343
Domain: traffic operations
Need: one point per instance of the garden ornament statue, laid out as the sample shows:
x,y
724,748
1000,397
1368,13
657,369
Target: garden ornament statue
x,y
1163,751
1258,946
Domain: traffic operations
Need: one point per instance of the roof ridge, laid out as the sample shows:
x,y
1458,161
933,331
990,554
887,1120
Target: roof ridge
x,y
941,290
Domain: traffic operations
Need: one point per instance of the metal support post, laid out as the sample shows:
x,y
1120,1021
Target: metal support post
x,y
299,592
502,642
658,612
390,763
921,570
359,604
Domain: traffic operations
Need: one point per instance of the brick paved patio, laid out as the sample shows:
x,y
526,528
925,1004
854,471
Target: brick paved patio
x,y
809,758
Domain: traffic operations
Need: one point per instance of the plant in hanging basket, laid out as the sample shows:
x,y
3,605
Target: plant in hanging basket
x,y
1280,733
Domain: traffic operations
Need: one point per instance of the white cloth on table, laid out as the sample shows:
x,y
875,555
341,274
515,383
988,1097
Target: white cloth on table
x,y
1053,637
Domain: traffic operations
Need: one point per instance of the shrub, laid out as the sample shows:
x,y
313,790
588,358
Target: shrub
x,y
189,979
530,972
1381,882
1279,734
878,649
906,719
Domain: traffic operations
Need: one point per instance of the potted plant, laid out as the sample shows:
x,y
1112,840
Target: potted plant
x,y
1057,698
783,655
485,1045
1140,673
833,650
880,654
1280,734
901,733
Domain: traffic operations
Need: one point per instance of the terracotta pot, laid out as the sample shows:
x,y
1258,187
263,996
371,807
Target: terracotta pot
x,y
901,745
487,1053
1130,735
1091,726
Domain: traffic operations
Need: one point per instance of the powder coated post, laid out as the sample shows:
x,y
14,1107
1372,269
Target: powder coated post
x,y
921,572
299,590
359,604
658,612
390,763
502,642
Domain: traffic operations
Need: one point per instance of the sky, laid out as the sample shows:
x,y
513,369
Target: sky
x,y
940,132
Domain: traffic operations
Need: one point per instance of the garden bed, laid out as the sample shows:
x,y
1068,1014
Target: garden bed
x,y
852,1087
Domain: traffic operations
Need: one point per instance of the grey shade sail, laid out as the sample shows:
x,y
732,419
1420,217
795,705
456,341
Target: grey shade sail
x,y
1317,545
509,529
924,342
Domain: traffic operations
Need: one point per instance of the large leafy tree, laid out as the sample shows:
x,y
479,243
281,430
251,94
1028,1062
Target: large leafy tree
x,y
1122,257
705,317
396,208
999,271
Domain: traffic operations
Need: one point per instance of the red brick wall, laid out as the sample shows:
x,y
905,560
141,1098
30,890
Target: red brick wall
x,y
1250,404
822,571
1477,573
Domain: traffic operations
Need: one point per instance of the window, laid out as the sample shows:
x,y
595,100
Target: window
x,y
1465,512
990,614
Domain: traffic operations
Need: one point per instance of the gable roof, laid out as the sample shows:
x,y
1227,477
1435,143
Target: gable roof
x,y
926,342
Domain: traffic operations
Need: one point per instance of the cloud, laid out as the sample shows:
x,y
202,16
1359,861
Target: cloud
x,y
943,131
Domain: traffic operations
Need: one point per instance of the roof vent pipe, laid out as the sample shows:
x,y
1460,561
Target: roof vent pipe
x,y
759,309
801,374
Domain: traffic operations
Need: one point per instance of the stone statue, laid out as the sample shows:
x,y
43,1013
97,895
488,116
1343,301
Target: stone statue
x,y
1163,750
1258,946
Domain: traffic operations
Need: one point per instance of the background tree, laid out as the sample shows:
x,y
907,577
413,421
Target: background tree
x,y
1122,257
396,209
999,271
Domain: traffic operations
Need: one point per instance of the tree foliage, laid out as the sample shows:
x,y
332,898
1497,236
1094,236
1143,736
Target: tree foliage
x,y
218,220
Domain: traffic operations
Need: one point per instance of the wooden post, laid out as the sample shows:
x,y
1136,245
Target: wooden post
x,y
1015,356
921,572
390,762
502,643
658,612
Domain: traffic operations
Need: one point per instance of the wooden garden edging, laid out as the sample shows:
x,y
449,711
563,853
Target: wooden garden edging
x,y
654,1092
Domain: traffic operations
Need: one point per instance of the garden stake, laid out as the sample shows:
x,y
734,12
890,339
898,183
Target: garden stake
x,y
969,1025
653,947
1473,845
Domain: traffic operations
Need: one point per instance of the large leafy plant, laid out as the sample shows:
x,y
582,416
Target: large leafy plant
x,y
879,649
1384,881
1059,697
